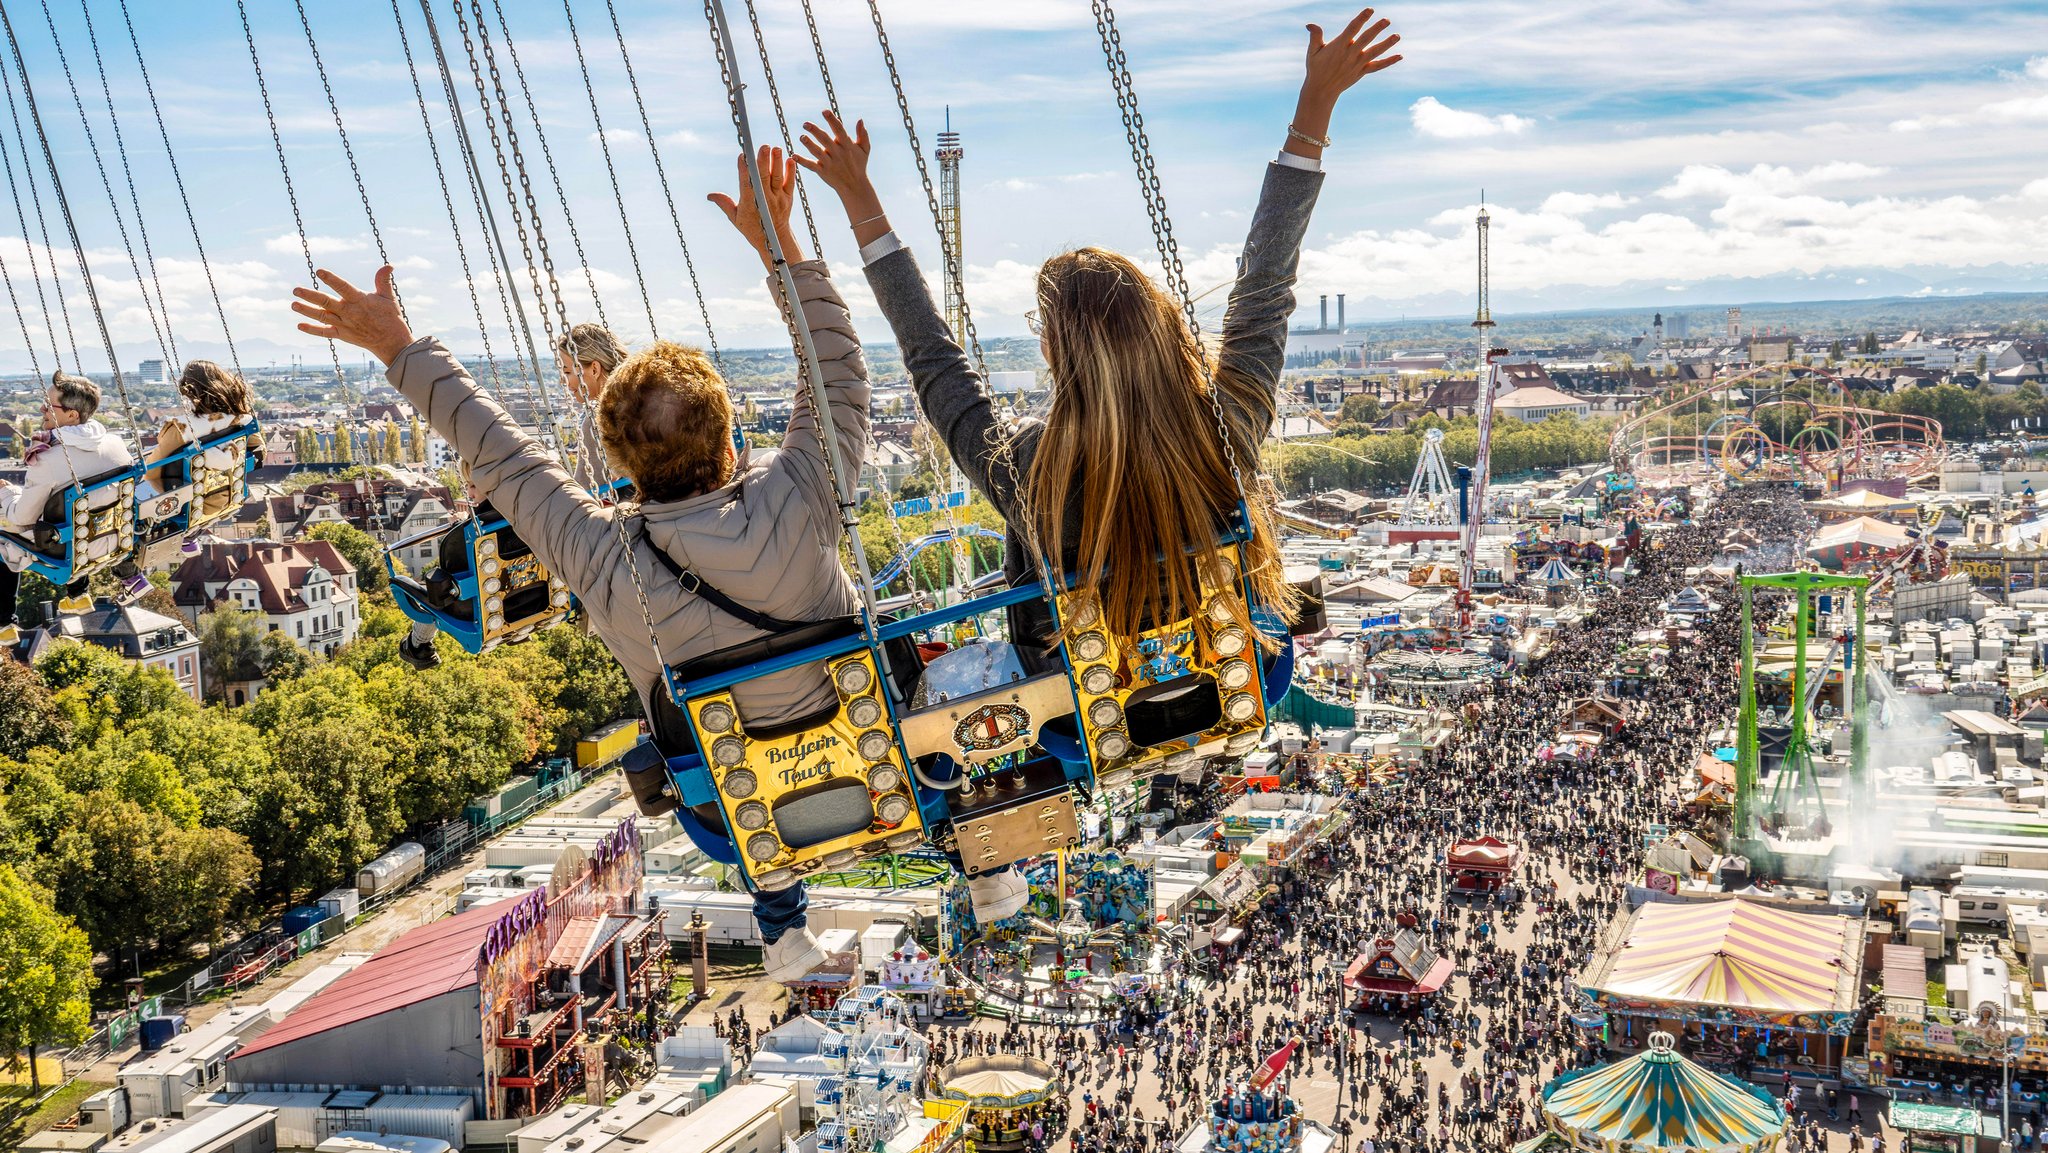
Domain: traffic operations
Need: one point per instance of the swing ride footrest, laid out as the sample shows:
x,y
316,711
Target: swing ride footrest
x,y
1018,813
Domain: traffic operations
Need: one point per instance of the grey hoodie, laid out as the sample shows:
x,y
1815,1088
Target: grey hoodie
x,y
769,539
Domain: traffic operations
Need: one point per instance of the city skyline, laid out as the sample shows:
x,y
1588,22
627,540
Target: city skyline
x,y
1697,156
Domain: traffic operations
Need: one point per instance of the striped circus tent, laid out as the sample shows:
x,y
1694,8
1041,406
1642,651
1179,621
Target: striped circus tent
x,y
1736,953
1657,1100
1554,572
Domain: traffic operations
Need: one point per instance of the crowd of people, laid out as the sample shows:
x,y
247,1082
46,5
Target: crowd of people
x,y
1461,1070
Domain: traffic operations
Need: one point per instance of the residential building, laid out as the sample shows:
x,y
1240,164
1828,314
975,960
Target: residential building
x,y
305,590
141,636
1539,403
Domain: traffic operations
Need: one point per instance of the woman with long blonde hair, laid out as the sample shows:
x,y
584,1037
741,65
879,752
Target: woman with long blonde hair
x,y
1146,447
1126,464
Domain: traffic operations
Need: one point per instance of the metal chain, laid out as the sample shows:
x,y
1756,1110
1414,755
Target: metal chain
x,y
782,125
619,516
441,174
931,196
661,177
290,192
1155,208
128,173
113,202
92,292
818,47
34,266
178,178
516,325
547,156
604,146
347,151
533,269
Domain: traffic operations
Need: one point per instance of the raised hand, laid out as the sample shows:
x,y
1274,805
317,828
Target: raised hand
x,y
778,179
840,159
369,320
1334,65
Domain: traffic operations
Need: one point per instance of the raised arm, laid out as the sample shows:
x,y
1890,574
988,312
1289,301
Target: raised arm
x,y
951,393
570,532
1254,346
840,363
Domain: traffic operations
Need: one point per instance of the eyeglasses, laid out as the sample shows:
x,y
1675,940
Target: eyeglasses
x,y
1034,322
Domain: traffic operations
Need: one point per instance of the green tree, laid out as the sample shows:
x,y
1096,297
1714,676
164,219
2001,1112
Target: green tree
x,y
344,443
360,550
46,969
230,649
307,446
29,716
394,446
416,450
1360,410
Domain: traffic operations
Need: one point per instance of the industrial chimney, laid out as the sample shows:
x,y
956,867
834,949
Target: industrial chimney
x,y
1323,325
1340,313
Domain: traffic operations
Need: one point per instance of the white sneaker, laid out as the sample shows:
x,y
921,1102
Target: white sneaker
x,y
793,956
997,896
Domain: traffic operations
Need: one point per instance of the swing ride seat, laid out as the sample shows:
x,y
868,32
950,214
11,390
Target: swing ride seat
x,y
204,492
519,595
1174,695
87,527
503,594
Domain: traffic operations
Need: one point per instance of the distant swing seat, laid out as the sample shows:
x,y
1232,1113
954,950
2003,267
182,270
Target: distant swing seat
x,y
203,483
487,587
87,527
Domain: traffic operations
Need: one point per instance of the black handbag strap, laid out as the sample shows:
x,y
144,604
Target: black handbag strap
x,y
696,586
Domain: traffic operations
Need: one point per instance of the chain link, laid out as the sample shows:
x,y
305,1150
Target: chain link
x,y
547,156
128,173
818,47
120,223
34,267
604,146
661,177
347,150
290,191
512,194
782,125
441,174
178,178
1155,208
924,175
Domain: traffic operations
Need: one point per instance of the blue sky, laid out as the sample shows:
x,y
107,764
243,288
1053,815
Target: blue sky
x,y
1642,152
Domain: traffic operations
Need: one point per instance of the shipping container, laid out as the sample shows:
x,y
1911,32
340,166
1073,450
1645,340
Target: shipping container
x,y
471,898
439,1116
606,745
175,1078
393,870
304,917
488,812
358,1141
344,902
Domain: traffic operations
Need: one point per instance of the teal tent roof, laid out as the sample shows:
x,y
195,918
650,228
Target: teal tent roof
x,y
1660,1100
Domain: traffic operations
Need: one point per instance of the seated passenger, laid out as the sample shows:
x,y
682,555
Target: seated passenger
x,y
219,400
1125,465
588,354
767,534
71,446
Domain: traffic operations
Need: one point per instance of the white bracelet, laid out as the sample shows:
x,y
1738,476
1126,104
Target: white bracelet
x,y
870,220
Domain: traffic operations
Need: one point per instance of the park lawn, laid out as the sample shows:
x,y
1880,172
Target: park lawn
x,y
57,1108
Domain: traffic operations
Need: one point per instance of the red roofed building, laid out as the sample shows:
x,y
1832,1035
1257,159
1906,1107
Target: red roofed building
x,y
305,590
1402,967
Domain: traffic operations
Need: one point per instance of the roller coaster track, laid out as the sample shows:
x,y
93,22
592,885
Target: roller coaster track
x,y
1833,438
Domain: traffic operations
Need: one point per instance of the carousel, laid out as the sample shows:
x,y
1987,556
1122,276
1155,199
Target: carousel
x,y
1001,1092
1656,1100
1086,945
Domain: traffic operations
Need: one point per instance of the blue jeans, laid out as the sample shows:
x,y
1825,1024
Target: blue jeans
x,y
779,912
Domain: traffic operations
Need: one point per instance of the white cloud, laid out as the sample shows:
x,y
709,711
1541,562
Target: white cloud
x,y
617,136
1710,181
683,138
1431,117
2035,189
2038,68
288,244
2017,108
1580,203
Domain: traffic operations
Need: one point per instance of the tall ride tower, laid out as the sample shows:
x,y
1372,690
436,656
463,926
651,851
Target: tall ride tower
x,y
949,154
1482,466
